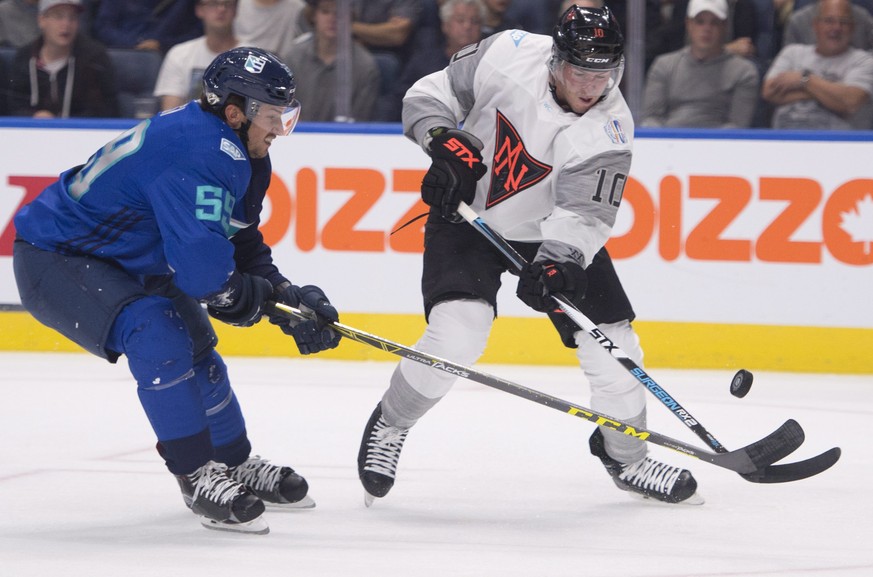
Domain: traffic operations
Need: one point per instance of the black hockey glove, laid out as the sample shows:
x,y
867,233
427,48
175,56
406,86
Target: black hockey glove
x,y
312,336
455,168
242,303
540,279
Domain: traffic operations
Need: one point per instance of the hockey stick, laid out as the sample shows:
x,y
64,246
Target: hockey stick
x,y
747,460
771,474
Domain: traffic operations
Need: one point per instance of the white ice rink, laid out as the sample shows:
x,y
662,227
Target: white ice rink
x,y
489,484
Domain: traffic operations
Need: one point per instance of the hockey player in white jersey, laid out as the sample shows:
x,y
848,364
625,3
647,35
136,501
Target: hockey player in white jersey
x,y
543,155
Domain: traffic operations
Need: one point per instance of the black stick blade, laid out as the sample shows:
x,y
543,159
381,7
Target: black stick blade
x,y
777,445
754,457
795,471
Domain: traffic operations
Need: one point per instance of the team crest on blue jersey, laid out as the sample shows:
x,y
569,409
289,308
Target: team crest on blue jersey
x,y
231,149
615,132
255,64
513,169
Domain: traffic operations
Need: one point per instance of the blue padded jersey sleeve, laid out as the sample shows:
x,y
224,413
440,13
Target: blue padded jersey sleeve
x,y
252,254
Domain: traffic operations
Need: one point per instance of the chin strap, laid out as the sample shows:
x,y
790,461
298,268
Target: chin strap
x,y
243,133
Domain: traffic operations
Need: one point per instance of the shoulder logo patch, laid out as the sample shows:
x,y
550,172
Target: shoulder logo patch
x,y
232,150
517,36
615,132
513,168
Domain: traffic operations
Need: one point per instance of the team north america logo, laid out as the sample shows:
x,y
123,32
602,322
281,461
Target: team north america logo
x,y
513,168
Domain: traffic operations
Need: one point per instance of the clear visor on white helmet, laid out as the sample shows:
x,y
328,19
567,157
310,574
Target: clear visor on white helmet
x,y
278,120
593,82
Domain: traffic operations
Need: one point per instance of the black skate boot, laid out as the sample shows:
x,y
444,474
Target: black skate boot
x,y
276,486
378,456
222,503
648,478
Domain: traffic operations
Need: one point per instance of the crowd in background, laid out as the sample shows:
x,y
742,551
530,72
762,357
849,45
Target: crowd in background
x,y
708,63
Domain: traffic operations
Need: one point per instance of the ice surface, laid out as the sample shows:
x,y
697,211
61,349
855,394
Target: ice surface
x,y
489,484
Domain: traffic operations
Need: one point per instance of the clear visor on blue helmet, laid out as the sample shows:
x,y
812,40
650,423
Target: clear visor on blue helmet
x,y
275,119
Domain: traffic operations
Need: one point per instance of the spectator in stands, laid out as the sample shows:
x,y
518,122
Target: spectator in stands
x,y
145,24
62,73
18,22
825,86
272,25
460,25
313,57
181,75
669,34
865,4
496,18
801,24
702,84
385,28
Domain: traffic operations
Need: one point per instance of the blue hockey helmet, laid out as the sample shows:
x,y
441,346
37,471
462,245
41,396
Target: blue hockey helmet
x,y
259,77
589,38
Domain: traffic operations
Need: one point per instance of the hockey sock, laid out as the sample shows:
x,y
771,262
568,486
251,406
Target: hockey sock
x,y
226,423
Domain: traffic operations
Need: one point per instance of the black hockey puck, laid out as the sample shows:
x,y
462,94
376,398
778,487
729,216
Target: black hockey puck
x,y
741,383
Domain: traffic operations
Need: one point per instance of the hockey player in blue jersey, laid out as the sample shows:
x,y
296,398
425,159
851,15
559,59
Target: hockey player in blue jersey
x,y
120,254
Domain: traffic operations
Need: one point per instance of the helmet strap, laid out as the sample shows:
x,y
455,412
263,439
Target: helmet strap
x,y
243,132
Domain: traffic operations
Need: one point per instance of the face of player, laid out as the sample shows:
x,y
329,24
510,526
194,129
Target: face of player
x,y
59,25
578,88
270,121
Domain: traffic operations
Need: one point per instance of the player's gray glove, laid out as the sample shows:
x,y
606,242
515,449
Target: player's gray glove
x,y
312,336
456,166
540,279
242,302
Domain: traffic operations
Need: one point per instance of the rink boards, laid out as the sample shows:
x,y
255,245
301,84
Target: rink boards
x,y
738,249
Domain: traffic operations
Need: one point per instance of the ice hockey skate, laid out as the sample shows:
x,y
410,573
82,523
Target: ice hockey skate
x,y
276,486
647,478
378,456
222,503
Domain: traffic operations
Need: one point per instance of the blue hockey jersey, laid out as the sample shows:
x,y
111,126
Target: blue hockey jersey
x,y
161,198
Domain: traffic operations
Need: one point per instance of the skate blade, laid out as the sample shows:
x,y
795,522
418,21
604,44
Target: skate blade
x,y
368,500
306,502
694,500
256,526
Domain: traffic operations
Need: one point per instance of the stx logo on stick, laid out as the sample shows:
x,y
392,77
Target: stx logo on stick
x,y
461,151
604,341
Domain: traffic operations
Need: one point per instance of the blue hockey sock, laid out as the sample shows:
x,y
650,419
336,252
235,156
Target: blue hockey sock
x,y
226,423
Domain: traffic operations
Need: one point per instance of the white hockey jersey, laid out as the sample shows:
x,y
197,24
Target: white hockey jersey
x,y
555,177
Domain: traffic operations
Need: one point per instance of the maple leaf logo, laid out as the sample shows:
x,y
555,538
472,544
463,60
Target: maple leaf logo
x,y
858,222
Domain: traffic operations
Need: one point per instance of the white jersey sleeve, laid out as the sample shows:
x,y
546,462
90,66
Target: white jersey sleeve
x,y
554,177
445,97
